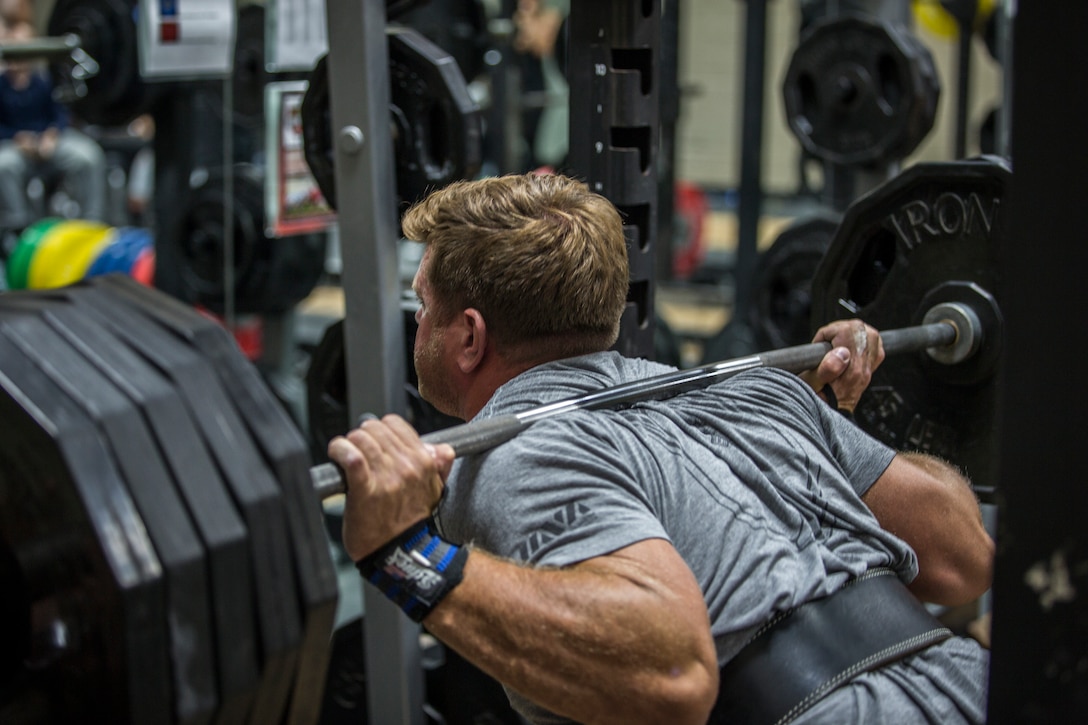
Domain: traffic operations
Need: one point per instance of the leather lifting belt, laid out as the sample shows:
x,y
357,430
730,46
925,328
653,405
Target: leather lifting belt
x,y
801,656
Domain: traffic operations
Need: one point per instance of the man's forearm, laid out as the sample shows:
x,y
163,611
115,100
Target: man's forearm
x,y
609,640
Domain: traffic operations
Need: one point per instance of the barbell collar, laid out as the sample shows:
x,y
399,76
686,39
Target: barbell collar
x,y
475,437
968,332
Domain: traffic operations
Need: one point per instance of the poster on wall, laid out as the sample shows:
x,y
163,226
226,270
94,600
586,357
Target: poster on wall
x,y
293,202
187,40
297,34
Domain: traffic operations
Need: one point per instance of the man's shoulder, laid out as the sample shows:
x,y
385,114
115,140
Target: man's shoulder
x,y
568,378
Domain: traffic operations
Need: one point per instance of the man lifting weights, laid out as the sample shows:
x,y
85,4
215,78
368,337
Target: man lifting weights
x,y
702,557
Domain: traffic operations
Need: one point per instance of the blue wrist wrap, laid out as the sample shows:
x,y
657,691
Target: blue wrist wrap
x,y
415,570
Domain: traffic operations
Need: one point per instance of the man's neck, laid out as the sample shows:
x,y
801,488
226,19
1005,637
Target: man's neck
x,y
489,379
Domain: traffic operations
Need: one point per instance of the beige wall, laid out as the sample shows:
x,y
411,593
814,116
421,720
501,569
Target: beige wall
x,y
711,79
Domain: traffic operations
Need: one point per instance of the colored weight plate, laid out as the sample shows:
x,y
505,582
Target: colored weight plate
x,y
121,253
188,623
935,18
93,638
143,269
65,253
18,265
286,453
199,484
256,494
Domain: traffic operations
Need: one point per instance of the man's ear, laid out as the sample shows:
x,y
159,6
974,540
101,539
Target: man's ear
x,y
473,340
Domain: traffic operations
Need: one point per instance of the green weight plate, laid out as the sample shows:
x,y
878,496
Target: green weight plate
x,y
18,266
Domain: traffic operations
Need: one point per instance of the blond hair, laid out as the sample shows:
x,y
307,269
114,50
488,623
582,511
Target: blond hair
x,y
540,256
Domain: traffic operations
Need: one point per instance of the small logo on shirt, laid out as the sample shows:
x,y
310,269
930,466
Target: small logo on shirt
x,y
564,519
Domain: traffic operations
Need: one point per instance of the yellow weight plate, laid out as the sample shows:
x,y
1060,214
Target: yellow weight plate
x,y
932,16
66,252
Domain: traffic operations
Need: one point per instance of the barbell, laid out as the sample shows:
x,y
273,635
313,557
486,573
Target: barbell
x,y
162,553
951,335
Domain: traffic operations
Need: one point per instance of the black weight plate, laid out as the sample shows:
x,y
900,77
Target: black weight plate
x,y
345,701
201,488
270,274
440,135
256,494
327,391
204,231
897,251
781,311
317,145
180,552
457,26
396,8
95,637
437,127
250,75
107,31
860,91
286,452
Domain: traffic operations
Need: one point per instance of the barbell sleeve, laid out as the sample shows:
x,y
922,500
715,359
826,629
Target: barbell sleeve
x,y
43,48
478,436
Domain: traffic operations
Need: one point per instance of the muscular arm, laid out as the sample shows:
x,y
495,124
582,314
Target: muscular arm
x,y
920,499
928,504
622,638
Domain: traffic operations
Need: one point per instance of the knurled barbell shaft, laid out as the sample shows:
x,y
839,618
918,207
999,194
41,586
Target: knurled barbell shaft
x,y
475,437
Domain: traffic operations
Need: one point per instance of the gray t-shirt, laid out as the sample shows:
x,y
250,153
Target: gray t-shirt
x,y
754,480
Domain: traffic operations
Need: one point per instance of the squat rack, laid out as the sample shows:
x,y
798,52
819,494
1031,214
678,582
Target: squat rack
x,y
1031,642
358,68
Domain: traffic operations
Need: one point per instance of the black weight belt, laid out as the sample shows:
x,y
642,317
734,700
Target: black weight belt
x,y
798,658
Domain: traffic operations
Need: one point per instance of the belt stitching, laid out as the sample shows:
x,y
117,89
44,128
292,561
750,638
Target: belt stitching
x,y
927,638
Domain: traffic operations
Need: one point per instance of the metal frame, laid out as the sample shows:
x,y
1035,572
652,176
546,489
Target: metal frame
x,y
613,68
359,96
1040,611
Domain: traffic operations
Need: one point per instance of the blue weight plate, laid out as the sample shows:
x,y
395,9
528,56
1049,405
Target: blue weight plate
x,y
120,255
